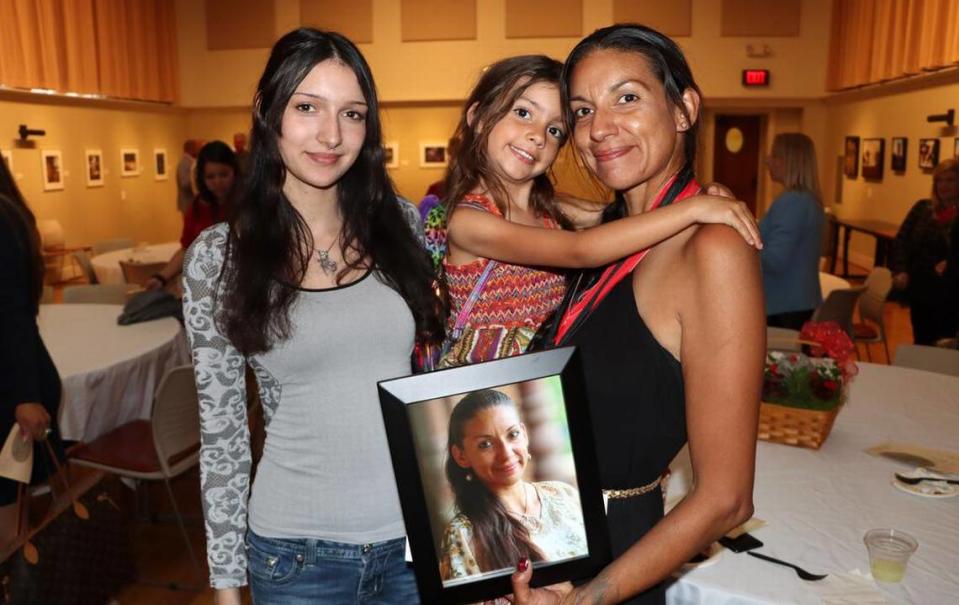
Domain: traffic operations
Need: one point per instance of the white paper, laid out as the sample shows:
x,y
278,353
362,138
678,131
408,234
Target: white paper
x,y
16,457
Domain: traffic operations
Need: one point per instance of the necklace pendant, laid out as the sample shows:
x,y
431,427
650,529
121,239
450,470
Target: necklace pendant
x,y
327,264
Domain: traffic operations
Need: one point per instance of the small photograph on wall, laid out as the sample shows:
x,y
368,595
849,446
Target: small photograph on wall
x,y
432,155
94,167
928,153
160,165
7,159
851,162
391,154
899,147
129,162
51,168
873,157
955,148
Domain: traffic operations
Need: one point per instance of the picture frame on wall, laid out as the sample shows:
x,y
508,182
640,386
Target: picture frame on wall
x,y
873,158
433,155
7,156
51,169
900,145
928,153
391,154
160,165
93,167
129,162
955,148
543,398
851,157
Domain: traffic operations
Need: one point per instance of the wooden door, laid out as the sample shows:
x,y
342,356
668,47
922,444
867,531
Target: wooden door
x,y
736,154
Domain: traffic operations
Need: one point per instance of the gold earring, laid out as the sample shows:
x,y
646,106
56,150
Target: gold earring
x,y
469,476
529,456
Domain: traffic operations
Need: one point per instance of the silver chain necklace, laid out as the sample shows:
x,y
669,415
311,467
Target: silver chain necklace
x,y
327,264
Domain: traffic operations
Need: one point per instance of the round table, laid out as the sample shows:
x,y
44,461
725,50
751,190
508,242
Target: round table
x,y
109,371
819,504
107,265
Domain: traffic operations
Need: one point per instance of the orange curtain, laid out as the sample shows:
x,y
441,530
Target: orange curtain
x,y
877,40
118,48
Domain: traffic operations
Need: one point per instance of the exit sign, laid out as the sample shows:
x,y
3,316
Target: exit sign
x,y
755,77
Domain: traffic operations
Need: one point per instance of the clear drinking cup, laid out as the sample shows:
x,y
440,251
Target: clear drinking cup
x,y
889,552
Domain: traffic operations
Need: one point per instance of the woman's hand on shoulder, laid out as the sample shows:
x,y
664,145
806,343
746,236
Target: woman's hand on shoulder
x,y
725,211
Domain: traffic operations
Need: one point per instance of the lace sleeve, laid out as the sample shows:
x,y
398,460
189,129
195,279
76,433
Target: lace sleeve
x,y
225,440
458,560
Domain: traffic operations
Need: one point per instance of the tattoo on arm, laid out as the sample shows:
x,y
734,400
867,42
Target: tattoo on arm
x,y
600,590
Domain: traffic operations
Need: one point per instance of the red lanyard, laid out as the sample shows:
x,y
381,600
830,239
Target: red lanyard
x,y
615,273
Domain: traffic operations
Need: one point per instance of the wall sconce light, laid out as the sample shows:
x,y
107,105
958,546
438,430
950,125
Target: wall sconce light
x,y
28,132
949,117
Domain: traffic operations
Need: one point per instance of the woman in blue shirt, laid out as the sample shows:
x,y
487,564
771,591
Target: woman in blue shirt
x,y
792,233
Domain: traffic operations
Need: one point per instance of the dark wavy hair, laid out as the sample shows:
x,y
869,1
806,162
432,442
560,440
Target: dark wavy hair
x,y
15,212
499,539
270,245
493,98
219,153
667,62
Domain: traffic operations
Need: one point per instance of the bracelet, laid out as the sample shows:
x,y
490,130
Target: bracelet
x,y
159,277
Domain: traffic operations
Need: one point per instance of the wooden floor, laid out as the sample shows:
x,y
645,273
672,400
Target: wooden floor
x,y
161,554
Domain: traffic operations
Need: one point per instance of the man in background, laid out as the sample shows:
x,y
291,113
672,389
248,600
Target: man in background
x,y
184,175
242,154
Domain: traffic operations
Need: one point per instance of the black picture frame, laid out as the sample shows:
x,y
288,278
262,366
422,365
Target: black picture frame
x,y
873,158
899,153
851,157
399,398
928,154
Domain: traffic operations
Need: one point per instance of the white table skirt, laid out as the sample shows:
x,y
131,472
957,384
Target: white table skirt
x,y
819,504
109,372
107,265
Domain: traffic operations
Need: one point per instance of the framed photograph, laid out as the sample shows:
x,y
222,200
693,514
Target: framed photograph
x,y
873,158
928,153
955,148
851,161
432,155
160,165
899,147
441,427
51,169
7,156
391,154
94,167
129,162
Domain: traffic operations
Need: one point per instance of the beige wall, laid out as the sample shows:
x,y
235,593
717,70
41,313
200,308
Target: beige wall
x,y
140,207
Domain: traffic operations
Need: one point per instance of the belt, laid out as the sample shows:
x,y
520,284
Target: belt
x,y
618,494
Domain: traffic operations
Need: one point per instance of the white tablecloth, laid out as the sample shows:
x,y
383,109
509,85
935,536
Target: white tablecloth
x,y
107,265
109,372
829,282
819,504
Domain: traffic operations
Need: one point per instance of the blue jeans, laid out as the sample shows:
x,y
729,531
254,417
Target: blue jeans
x,y
304,570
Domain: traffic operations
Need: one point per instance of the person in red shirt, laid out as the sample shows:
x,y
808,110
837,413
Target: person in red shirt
x,y
216,169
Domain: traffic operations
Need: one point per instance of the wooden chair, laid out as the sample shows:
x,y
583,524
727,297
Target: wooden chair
x,y
100,294
158,449
871,304
931,359
839,307
139,273
109,245
82,257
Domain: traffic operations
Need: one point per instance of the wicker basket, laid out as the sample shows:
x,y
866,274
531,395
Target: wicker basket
x,y
795,426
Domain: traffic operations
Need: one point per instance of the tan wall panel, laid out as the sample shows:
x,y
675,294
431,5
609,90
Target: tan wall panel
x,y
673,18
544,18
352,18
760,18
425,20
235,24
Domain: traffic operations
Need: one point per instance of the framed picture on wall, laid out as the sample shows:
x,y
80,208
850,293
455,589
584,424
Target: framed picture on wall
x,y
539,401
432,155
161,172
7,159
873,158
51,169
851,157
129,162
955,148
928,153
899,147
93,167
391,154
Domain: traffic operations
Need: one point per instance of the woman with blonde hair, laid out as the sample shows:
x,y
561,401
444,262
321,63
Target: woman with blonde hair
x,y
792,233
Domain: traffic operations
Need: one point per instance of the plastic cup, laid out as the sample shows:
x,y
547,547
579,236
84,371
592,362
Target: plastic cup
x,y
889,552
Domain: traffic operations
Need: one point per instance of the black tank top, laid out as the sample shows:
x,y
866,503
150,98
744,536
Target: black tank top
x,y
637,407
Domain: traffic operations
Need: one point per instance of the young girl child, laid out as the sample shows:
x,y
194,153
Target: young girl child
x,y
505,225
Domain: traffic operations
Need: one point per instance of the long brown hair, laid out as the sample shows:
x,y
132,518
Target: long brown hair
x,y
499,540
492,98
14,210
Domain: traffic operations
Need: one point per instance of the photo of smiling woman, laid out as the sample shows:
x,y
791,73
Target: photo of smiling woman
x,y
500,504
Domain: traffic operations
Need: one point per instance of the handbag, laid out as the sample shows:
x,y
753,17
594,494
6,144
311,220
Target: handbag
x,y
83,555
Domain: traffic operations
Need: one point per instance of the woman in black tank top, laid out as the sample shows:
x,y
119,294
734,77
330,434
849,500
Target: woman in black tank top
x,y
672,343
